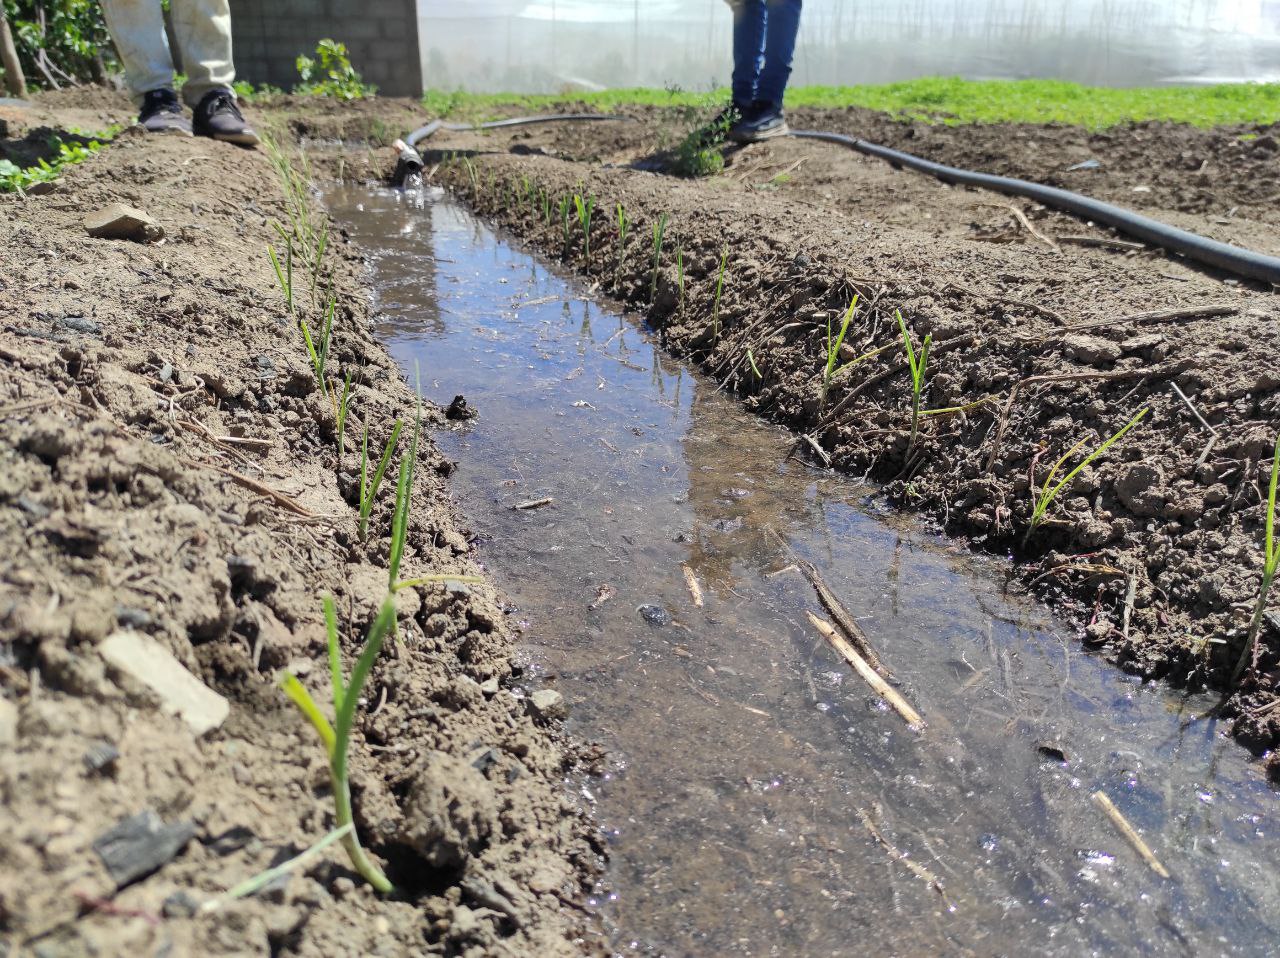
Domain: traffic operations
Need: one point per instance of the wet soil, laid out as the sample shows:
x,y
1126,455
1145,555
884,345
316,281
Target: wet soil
x,y
1089,335
169,469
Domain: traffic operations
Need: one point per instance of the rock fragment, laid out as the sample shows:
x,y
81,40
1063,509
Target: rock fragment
x,y
548,705
118,221
145,660
136,846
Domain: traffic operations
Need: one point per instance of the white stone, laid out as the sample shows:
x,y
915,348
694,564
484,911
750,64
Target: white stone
x,y
147,661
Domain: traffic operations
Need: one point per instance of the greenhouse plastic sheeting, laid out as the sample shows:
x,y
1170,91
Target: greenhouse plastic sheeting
x,y
557,45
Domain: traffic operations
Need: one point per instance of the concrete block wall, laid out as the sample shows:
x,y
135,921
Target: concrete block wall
x,y
381,38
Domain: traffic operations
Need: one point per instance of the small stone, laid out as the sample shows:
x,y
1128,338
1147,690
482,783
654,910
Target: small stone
x,y
654,614
342,887
489,686
135,847
118,221
100,756
8,724
548,705
1090,349
79,324
1097,633
459,409
179,905
131,618
145,660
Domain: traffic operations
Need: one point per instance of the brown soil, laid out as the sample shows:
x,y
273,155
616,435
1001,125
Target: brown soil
x,y
168,466
808,225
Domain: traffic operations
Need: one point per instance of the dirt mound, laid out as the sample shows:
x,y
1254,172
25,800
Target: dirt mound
x,y
174,507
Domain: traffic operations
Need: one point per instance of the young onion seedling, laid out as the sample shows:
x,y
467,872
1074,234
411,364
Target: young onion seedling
x,y
369,489
1049,490
833,348
715,307
680,275
918,364
344,407
584,209
659,230
566,204
624,227
1270,562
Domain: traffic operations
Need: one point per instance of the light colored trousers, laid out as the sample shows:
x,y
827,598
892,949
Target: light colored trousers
x,y
202,29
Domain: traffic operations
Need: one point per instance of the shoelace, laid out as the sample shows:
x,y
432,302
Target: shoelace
x,y
225,101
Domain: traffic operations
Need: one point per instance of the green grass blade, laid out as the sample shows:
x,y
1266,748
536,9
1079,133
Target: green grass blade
x,y
300,697
264,878
335,651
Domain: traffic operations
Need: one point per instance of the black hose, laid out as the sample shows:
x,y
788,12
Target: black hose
x,y
1232,259
1223,256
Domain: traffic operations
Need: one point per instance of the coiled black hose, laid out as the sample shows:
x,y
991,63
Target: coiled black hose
x,y
1201,249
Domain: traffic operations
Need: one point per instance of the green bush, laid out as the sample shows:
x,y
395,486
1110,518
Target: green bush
x,y
72,35
331,74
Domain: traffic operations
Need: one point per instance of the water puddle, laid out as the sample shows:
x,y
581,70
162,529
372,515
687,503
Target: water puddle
x,y
746,758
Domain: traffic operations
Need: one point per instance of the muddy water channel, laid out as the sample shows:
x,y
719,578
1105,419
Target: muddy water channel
x,y
759,795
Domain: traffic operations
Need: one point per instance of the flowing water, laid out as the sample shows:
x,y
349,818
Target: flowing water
x,y
760,797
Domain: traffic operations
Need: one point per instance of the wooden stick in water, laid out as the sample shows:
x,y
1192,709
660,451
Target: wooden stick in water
x,y
691,581
1101,799
868,674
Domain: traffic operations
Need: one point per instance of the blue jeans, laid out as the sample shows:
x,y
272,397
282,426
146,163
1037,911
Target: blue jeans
x,y
764,41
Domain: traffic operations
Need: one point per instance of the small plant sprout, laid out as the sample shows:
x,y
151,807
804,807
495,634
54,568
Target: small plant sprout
x,y
584,209
624,227
566,205
659,230
680,275
472,176
754,368
318,353
546,207
336,738
284,276
833,347
1270,562
344,407
1049,489
369,488
715,306
918,364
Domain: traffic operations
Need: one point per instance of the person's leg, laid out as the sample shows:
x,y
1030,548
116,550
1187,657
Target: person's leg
x,y
748,49
779,48
202,29
137,27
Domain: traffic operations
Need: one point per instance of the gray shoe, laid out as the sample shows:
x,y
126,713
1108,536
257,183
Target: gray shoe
x,y
218,117
763,121
162,113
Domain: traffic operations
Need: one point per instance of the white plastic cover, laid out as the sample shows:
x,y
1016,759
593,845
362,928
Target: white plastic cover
x,y
555,45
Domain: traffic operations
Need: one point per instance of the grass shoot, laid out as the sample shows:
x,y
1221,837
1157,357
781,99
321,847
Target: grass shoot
x,y
344,407
715,307
624,227
833,347
918,364
659,230
680,275
1049,489
369,487
566,204
1270,562
584,210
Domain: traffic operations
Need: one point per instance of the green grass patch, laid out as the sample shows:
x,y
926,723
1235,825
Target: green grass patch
x,y
944,100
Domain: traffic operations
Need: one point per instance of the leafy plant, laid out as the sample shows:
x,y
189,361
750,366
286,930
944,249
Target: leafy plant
x,y
61,41
1270,561
918,365
330,74
715,307
585,208
1049,490
659,230
369,489
14,178
698,154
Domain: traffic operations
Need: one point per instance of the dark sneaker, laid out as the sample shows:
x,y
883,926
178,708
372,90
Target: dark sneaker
x,y
763,121
162,113
218,117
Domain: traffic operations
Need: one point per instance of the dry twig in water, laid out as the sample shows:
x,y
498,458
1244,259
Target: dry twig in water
x,y
1101,799
691,581
868,675
898,855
